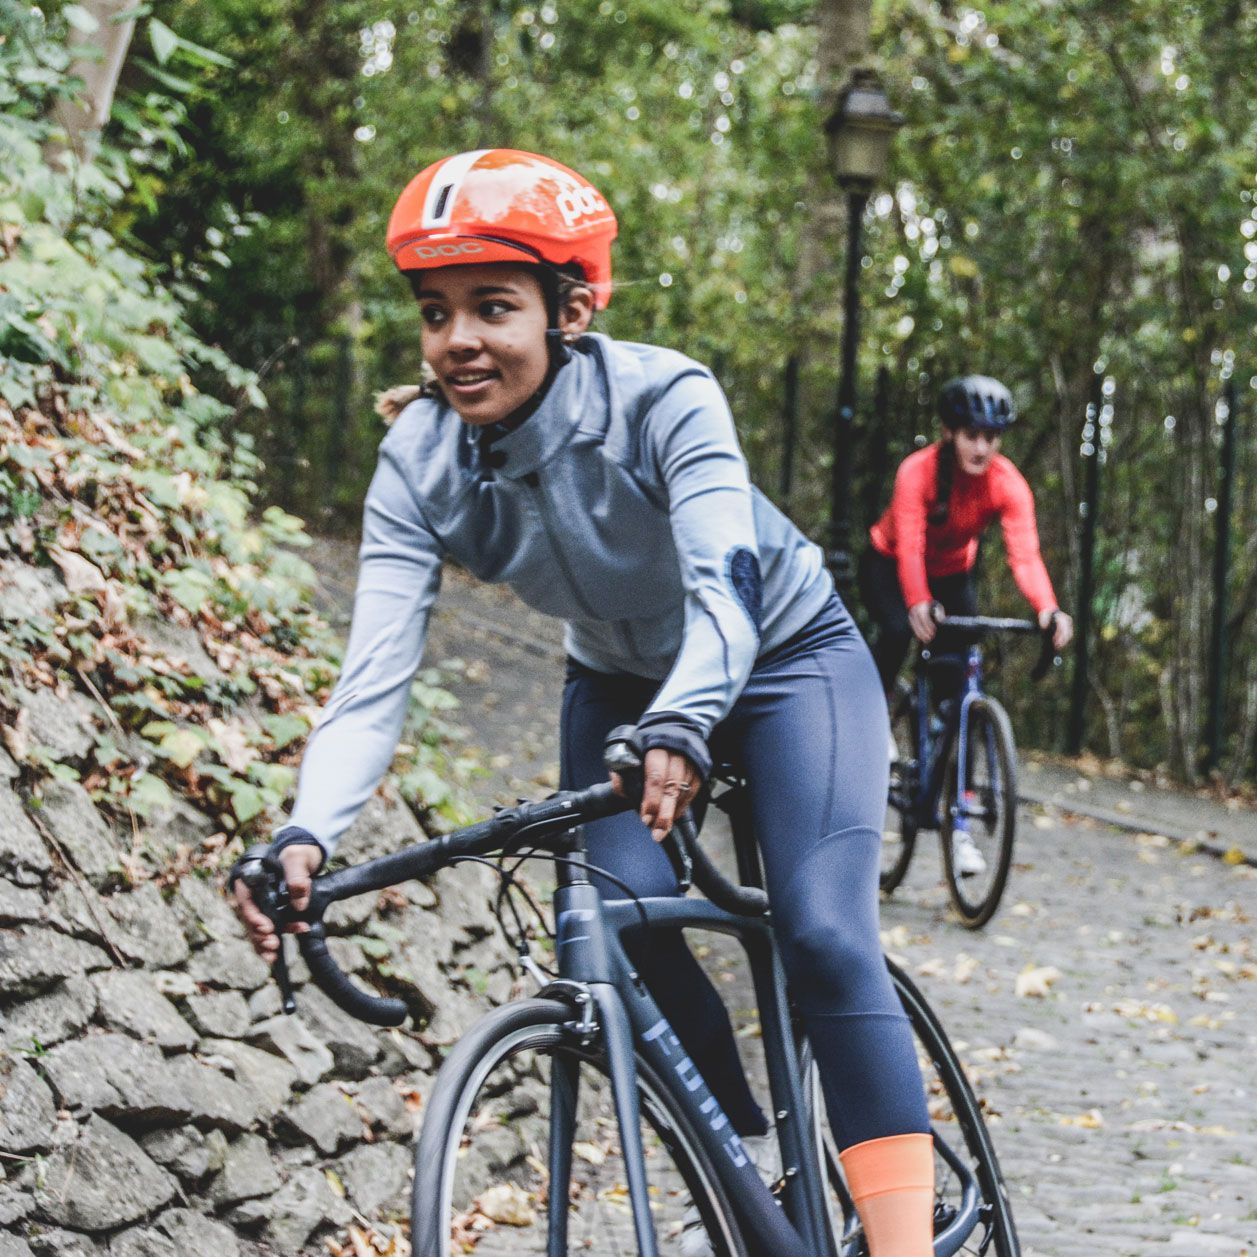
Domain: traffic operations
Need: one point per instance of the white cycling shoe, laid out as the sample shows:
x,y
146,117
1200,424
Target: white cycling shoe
x,y
766,1158
966,859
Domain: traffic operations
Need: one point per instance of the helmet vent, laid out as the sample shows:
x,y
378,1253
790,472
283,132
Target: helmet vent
x,y
442,197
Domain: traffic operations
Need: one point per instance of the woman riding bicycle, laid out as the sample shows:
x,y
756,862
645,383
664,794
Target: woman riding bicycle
x,y
603,481
920,564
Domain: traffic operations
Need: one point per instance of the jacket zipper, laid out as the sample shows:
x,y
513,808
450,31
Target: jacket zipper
x,y
533,481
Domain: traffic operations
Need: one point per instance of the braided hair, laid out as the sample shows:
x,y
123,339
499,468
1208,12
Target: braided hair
x,y
945,473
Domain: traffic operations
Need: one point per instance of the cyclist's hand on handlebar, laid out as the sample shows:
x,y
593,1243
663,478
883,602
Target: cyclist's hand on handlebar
x,y
300,862
924,618
1062,632
670,782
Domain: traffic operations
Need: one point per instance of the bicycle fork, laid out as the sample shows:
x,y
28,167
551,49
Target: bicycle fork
x,y
585,963
611,1025
960,810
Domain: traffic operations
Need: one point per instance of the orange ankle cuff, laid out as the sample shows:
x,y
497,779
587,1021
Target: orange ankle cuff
x,y
895,1163
892,1184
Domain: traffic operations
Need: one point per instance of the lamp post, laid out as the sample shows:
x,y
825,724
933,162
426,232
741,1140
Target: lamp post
x,y
860,132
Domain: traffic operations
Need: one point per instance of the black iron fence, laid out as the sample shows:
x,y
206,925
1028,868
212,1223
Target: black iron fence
x,y
1212,704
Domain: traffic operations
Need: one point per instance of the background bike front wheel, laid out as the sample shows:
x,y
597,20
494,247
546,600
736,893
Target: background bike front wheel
x,y
989,798
485,1161
899,829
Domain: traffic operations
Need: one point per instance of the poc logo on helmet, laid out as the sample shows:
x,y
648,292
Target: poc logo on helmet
x,y
447,250
578,202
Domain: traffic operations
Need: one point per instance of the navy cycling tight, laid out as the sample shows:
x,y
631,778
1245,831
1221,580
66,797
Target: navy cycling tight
x,y
809,732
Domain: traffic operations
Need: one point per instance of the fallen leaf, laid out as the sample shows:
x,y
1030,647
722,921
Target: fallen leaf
x,y
1034,1040
17,736
1090,1120
966,967
1033,982
508,1204
590,1152
79,575
232,745
1143,1010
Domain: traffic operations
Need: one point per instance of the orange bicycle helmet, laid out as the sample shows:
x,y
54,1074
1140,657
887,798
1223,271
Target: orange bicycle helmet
x,y
504,205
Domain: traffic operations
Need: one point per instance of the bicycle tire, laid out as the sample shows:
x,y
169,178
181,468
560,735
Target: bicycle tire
x,y
899,829
993,759
953,1108
516,1041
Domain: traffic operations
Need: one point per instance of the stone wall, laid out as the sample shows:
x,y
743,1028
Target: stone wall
x,y
154,1100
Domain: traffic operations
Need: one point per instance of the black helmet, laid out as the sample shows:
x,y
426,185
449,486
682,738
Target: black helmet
x,y
976,401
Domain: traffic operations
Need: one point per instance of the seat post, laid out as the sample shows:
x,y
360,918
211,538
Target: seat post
x,y
736,804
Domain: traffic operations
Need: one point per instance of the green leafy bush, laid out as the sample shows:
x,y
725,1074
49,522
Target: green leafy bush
x,y
157,599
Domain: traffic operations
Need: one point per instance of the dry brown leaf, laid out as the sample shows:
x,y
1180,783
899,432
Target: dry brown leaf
x,y
79,575
590,1152
113,605
508,1204
966,966
17,736
232,744
1144,1010
1033,982
1092,1119
113,438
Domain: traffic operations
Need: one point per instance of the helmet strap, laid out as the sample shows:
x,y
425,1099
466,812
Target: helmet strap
x,y
560,352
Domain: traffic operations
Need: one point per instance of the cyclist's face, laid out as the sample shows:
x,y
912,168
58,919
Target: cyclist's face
x,y
975,449
484,334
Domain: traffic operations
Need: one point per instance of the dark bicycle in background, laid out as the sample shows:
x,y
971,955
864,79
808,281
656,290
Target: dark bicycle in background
x,y
575,1122
956,767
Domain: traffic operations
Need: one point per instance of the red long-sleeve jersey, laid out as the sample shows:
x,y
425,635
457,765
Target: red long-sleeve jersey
x,y
922,549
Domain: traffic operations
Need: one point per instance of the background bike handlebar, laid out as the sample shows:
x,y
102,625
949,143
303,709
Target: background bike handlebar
x,y
548,817
995,624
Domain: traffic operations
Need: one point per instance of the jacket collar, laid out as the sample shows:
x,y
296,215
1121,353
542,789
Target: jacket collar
x,y
549,428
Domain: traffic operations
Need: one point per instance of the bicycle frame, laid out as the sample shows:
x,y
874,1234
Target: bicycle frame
x,y
591,955
934,750
596,973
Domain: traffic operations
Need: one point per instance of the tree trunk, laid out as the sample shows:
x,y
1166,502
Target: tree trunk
x,y
98,57
842,43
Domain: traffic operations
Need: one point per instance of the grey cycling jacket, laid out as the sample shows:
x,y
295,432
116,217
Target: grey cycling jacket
x,y
622,505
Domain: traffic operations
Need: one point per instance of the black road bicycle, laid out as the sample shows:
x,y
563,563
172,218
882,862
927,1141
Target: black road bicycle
x,y
575,1122
956,770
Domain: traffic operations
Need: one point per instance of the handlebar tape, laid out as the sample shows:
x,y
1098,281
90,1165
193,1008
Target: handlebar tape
x,y
331,980
742,901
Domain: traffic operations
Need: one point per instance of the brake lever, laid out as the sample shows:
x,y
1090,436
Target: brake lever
x,y
1048,656
264,876
677,844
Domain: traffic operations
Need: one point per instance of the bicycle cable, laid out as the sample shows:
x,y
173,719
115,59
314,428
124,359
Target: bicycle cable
x,y
510,881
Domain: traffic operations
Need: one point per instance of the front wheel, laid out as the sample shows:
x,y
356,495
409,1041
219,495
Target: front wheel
x,y
978,853
519,1105
972,1213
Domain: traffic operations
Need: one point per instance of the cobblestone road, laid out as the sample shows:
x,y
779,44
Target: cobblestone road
x,y
1107,1014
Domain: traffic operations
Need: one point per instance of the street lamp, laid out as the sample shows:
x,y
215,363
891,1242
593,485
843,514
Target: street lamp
x,y
860,132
